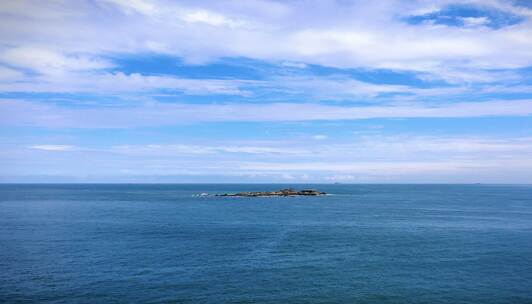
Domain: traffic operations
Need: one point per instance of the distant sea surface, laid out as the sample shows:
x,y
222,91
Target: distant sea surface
x,y
152,243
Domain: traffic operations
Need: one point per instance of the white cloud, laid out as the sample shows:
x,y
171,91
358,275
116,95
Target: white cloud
x,y
109,83
468,75
329,87
290,64
211,18
46,61
345,35
314,88
475,21
53,147
139,6
425,10
23,113
361,147
320,137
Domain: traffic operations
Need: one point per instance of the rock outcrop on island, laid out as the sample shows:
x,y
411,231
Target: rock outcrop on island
x,y
282,192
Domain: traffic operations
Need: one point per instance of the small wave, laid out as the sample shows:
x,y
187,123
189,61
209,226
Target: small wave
x,y
203,194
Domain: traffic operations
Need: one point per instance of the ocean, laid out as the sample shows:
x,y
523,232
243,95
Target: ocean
x,y
161,243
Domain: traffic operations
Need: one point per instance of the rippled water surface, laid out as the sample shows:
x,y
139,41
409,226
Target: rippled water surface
x,y
362,244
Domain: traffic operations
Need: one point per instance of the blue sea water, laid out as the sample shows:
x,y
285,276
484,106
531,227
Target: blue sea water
x,y
363,244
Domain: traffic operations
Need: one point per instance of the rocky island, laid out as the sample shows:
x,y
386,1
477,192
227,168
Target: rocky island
x,y
282,192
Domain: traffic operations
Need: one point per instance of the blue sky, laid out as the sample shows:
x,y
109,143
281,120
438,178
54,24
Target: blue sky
x,y
266,91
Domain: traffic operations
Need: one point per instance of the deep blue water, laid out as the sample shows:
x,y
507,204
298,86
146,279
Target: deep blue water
x,y
364,244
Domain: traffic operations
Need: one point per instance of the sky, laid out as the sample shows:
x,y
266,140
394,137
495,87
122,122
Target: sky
x,y
398,91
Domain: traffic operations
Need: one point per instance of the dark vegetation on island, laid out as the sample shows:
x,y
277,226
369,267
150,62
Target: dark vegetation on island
x,y
282,192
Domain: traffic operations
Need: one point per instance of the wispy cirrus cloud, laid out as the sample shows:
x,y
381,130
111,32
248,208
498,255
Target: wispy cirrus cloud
x,y
113,83
49,62
17,113
182,149
363,158
53,147
361,147
273,89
